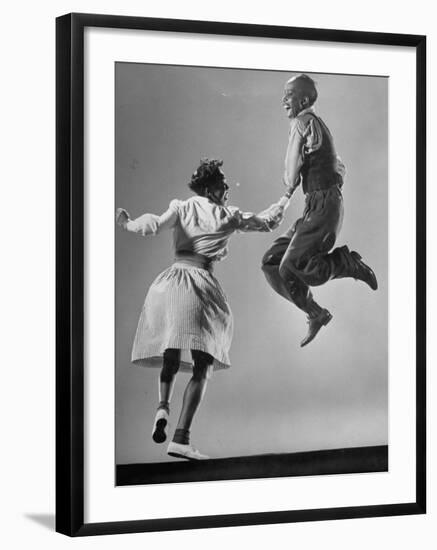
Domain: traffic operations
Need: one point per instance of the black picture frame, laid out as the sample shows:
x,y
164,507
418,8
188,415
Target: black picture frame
x,y
70,487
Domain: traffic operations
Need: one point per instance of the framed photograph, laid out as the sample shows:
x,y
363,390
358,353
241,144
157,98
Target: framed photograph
x,y
240,274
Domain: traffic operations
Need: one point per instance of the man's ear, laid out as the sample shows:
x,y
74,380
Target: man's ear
x,y
304,102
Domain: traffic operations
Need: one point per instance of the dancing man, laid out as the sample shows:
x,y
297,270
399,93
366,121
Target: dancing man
x,y
302,257
186,322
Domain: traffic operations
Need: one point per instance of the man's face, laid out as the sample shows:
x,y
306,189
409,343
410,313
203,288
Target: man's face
x,y
294,99
219,192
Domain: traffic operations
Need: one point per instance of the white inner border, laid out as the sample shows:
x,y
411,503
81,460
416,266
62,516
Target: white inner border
x,y
105,502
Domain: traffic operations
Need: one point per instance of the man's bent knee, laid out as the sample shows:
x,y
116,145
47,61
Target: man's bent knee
x,y
269,269
275,253
287,270
268,260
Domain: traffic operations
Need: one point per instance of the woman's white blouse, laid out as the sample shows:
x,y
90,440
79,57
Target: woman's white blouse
x,y
202,227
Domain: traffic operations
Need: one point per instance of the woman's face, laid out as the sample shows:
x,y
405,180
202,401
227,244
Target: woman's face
x,y
219,191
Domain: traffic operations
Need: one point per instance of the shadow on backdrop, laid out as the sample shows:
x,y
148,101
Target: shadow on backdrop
x,y
46,520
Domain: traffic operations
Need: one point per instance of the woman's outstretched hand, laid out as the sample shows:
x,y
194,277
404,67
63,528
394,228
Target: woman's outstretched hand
x,y
121,217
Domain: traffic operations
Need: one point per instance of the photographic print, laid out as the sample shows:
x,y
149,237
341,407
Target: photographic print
x,y
240,274
251,284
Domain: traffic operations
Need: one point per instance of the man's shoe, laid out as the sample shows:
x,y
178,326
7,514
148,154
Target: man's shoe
x,y
362,272
315,325
159,434
185,451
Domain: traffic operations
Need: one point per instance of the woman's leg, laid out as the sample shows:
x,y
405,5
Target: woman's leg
x,y
193,395
167,378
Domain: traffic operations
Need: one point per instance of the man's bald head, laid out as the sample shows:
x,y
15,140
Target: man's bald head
x,y
300,93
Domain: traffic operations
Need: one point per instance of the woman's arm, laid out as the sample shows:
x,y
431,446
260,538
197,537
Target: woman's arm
x,y
148,224
267,220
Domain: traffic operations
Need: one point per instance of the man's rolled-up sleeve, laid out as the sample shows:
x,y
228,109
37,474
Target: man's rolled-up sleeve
x,y
305,137
294,155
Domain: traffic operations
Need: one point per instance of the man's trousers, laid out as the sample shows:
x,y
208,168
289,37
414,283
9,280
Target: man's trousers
x,y
302,257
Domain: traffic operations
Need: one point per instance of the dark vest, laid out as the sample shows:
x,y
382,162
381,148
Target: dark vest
x,y
319,168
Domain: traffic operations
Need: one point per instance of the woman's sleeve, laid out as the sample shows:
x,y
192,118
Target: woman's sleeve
x,y
151,224
267,220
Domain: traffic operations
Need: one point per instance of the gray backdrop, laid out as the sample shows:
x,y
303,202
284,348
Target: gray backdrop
x,y
276,397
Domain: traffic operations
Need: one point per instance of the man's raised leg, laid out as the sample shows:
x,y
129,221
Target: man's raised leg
x,y
293,289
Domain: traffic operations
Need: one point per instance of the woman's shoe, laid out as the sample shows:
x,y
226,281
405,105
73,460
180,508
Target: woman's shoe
x,y
159,434
185,451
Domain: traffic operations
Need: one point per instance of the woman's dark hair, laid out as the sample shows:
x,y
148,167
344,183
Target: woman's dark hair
x,y
206,176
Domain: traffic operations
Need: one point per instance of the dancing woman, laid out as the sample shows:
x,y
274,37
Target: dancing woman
x,y
186,322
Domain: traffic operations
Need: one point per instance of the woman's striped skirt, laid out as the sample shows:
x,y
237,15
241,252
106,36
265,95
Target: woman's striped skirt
x,y
185,308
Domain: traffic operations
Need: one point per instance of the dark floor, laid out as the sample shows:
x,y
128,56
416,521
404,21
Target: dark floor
x,y
335,461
